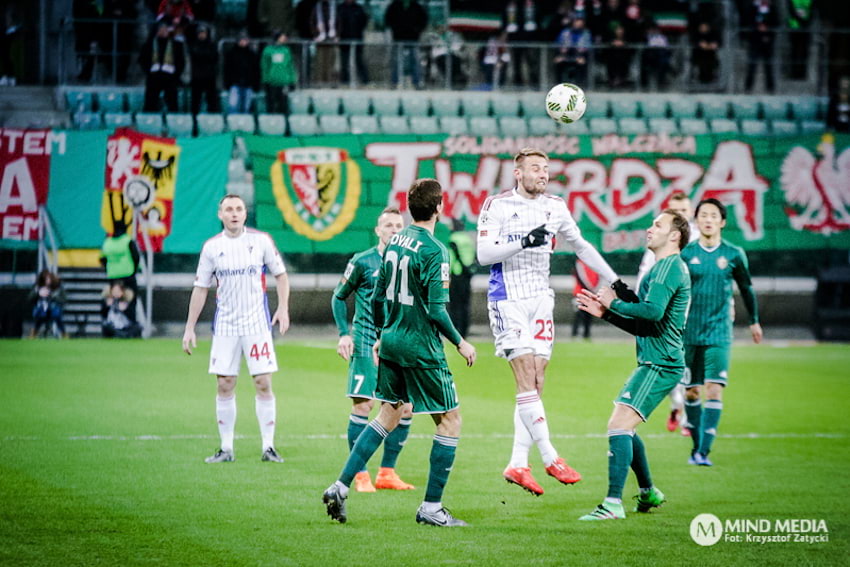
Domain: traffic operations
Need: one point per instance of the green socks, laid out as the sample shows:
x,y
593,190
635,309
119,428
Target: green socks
x,y
620,453
395,443
640,464
368,442
710,419
693,411
442,459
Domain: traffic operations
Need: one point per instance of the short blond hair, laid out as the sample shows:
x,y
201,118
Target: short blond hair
x,y
528,152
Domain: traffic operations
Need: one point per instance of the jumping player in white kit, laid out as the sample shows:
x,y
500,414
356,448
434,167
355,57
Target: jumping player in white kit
x,y
515,237
238,259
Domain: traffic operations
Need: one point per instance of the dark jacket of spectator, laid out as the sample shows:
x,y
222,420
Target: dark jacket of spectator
x,y
204,59
352,20
407,19
242,68
175,12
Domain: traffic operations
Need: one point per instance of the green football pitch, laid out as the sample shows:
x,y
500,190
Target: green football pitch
x,y
102,446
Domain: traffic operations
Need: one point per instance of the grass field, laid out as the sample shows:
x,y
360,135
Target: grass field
x,y
102,447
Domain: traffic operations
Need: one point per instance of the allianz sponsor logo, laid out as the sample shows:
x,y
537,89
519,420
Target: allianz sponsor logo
x,y
250,271
708,529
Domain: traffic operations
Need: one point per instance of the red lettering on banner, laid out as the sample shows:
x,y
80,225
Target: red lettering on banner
x,y
25,179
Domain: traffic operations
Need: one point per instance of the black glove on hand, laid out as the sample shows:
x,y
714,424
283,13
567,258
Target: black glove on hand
x,y
624,292
536,237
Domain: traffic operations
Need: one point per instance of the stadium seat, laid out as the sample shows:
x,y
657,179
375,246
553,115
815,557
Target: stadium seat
x,y
784,127
109,101
505,105
631,126
364,124
533,104
179,125
445,105
424,125
149,123
385,104
79,101
87,120
754,127
334,124
210,124
475,104
325,102
683,107
241,123
654,107
693,126
303,125
745,108
723,126
415,104
579,128
271,124
135,100
299,102
356,103
662,125
775,108
394,124
812,126
454,125
804,108
483,126
542,126
714,107
601,126
598,107
513,126
624,107
112,120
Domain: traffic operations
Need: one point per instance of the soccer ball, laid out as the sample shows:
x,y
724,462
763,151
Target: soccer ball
x,y
565,103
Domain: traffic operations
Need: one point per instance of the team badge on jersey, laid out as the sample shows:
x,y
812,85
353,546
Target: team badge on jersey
x,y
444,272
722,262
317,189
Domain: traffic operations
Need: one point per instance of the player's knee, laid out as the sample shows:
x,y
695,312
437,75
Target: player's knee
x,y
692,394
450,424
362,406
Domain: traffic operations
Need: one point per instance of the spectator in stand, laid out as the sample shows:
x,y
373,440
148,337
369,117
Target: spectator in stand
x,y
495,58
278,73
277,16
118,318
120,256
325,35
613,15
595,20
175,13
759,22
571,58
519,20
87,35
635,22
704,58
446,53
618,58
304,28
241,75
162,59
352,23
655,58
800,36
204,72
48,301
562,19
838,112
406,19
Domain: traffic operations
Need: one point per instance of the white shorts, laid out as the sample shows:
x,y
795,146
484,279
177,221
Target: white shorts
x,y
226,354
523,326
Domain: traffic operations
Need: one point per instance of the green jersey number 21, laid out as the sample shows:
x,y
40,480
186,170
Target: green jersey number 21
x,y
404,296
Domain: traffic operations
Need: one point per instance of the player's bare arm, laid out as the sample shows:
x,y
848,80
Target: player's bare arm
x,y
281,314
196,305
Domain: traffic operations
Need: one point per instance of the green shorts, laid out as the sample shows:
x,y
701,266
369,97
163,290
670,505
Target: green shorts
x,y
706,363
648,385
362,378
430,390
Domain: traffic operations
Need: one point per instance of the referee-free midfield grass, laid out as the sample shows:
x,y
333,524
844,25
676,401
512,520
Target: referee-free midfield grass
x,y
102,446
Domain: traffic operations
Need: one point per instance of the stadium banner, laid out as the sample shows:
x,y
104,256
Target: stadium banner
x,y
84,199
25,166
323,194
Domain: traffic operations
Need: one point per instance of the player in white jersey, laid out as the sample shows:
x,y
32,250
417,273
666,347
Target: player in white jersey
x,y
515,236
681,203
237,259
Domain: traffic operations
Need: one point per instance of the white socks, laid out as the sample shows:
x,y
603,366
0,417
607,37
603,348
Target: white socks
x,y
266,415
533,417
522,443
225,413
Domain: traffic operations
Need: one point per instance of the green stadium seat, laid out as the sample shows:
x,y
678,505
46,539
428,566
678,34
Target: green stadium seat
x,y
624,107
723,126
475,104
364,124
299,102
483,126
424,125
394,124
662,126
445,105
542,126
385,104
804,108
87,121
601,126
812,126
454,125
598,107
326,102
334,124
693,126
632,126
775,108
533,104
179,125
654,107
109,101
415,104
271,124
505,105
684,107
356,103
745,107
784,127
580,128
112,120
79,101
513,126
241,123
303,125
714,107
754,127
149,123
210,124
135,101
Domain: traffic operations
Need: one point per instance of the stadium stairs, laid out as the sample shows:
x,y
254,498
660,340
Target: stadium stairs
x,y
31,107
83,287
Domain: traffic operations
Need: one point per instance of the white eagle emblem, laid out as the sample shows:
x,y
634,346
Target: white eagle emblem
x,y
820,185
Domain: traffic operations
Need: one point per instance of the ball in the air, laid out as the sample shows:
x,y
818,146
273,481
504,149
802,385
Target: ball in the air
x,y
565,103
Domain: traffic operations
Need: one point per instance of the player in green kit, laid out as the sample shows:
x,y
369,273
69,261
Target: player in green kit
x,y
409,310
657,321
359,278
713,263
